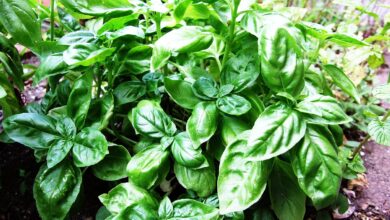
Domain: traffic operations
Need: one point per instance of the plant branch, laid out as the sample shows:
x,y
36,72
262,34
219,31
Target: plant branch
x,y
230,37
52,2
365,140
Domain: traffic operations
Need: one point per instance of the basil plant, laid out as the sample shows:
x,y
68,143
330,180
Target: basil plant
x,y
196,109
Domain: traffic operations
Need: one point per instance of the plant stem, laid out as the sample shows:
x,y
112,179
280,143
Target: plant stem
x,y
157,19
230,37
365,140
52,20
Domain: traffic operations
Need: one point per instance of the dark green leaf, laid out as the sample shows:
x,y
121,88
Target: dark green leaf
x,y
113,166
181,92
342,81
317,167
19,19
287,199
150,120
56,189
90,147
129,91
205,88
192,209
80,99
233,105
202,180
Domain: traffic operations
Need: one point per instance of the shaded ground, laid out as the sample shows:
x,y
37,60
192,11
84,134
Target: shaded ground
x,y
371,194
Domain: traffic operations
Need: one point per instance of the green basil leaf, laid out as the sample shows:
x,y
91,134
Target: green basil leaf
x,y
150,120
125,195
242,70
241,182
90,147
185,153
129,91
129,31
180,91
225,90
233,105
287,199
345,40
60,148
205,88
187,39
149,167
100,112
19,19
202,180
192,209
56,189
382,92
10,58
32,130
98,8
342,81
51,65
281,56
316,165
117,23
86,54
77,37
165,209
80,99
323,110
380,131
137,212
202,124
231,128
276,131
113,166
137,60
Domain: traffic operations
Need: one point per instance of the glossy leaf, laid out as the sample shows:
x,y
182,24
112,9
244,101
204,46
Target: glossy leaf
x,y
281,57
125,195
203,122
202,180
233,105
113,166
150,120
242,70
165,208
187,39
149,167
31,129
86,54
316,165
90,147
287,199
98,8
56,189
342,81
129,91
205,88
137,212
185,153
276,131
380,131
241,181
51,65
80,99
192,209
19,19
231,128
323,110
181,92
100,112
